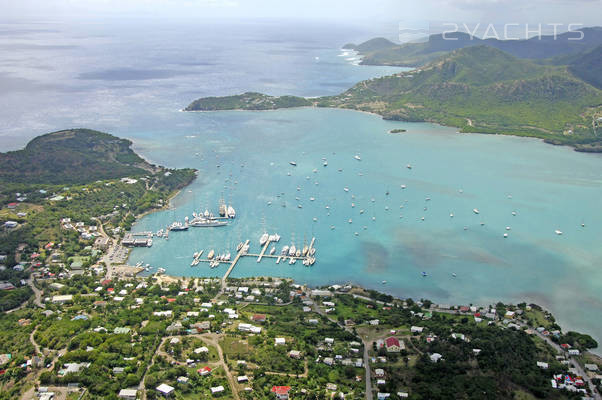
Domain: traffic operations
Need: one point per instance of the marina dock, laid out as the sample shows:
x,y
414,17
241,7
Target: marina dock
x,y
240,254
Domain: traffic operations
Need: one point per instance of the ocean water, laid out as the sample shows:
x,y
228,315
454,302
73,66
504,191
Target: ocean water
x,y
132,79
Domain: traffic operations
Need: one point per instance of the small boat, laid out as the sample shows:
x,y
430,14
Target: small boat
x,y
451,215
424,274
505,235
284,250
227,257
311,198
373,199
292,261
403,186
298,189
211,254
292,250
239,246
361,211
409,166
315,171
514,213
454,274
507,228
294,164
325,163
272,250
357,157
356,234
263,239
350,221
315,219
346,189
475,210
269,203
298,253
352,205
384,282
558,232
299,206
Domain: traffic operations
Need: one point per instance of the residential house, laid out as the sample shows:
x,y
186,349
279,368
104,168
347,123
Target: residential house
x,y
165,390
128,394
394,345
281,392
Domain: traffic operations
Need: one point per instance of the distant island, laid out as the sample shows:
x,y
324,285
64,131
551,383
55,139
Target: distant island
x,y
478,89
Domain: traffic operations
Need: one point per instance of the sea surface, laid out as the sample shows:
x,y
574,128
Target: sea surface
x,y
132,79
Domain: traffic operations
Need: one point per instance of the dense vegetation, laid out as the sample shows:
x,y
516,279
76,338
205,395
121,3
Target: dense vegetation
x,y
70,157
589,67
247,101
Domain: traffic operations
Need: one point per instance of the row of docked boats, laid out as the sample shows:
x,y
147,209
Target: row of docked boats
x,y
292,251
214,258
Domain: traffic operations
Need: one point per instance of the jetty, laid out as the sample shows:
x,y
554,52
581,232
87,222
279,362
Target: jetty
x,y
240,254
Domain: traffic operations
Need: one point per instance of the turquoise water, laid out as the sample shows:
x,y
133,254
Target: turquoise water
x,y
551,188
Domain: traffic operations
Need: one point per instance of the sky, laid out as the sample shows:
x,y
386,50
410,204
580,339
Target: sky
x,y
586,12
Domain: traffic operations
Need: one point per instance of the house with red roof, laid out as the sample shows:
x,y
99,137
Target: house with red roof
x,y
12,206
393,345
281,392
204,371
258,318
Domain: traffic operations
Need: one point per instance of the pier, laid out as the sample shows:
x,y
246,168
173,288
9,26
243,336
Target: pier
x,y
240,254
307,258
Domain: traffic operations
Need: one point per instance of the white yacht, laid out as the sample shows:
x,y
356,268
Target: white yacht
x,y
558,232
294,164
475,210
263,239
357,157
292,250
231,212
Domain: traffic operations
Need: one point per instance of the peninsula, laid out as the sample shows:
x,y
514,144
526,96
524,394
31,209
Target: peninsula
x,y
477,89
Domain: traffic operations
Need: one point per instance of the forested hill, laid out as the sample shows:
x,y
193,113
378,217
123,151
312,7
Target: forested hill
x,y
71,157
482,89
380,51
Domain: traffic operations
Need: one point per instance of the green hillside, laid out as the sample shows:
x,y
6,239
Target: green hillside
x,y
72,156
589,67
482,89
